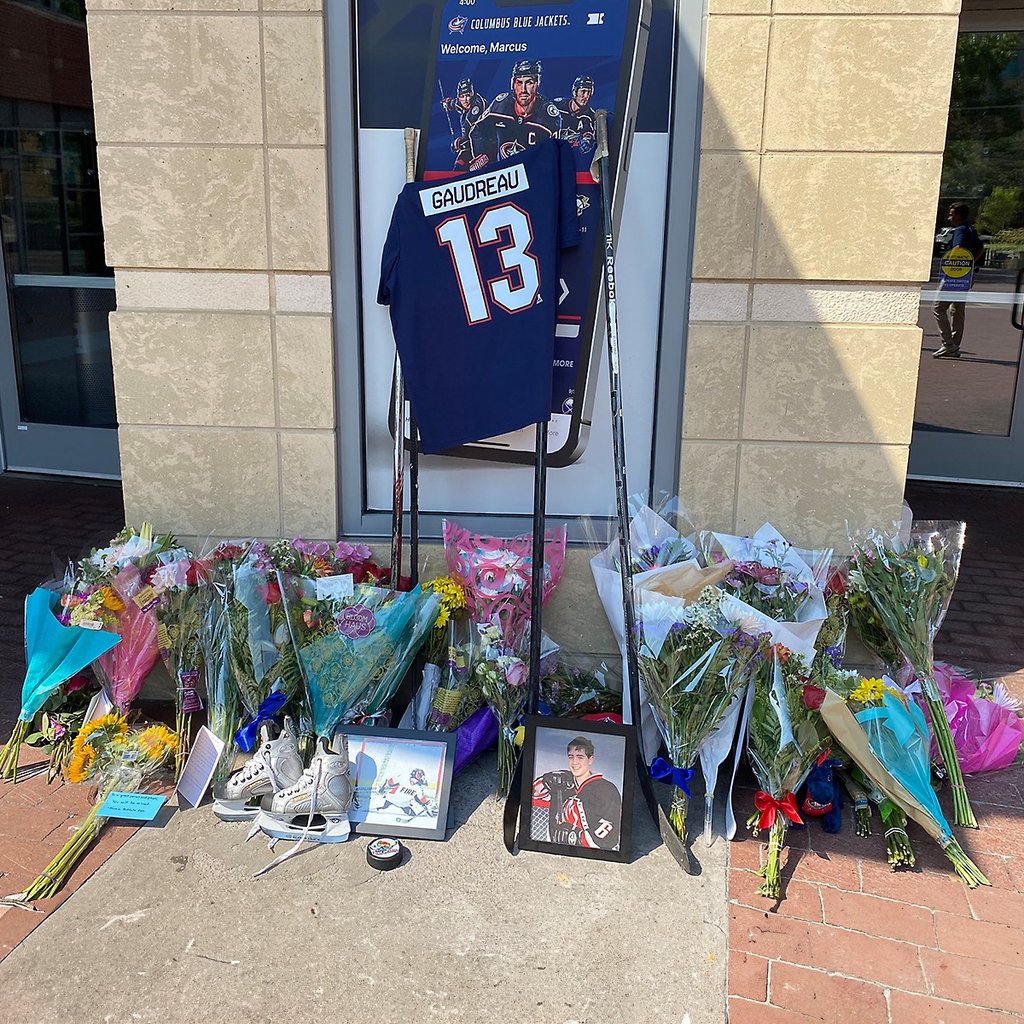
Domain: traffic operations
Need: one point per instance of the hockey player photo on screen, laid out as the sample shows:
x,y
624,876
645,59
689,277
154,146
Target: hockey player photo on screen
x,y
577,788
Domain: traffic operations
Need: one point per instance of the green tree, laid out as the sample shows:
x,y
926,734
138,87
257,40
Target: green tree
x,y
985,134
999,209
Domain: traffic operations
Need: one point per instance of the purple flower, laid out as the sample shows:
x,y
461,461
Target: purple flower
x,y
357,622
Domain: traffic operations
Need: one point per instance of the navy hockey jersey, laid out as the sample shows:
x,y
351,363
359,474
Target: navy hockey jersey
x,y
470,271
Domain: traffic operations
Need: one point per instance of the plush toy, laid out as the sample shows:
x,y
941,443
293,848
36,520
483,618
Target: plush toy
x,y
822,795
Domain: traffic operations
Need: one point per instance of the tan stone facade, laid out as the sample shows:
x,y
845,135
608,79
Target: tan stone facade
x,y
822,135
210,119
824,123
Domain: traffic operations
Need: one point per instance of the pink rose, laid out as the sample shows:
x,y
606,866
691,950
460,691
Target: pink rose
x,y
517,673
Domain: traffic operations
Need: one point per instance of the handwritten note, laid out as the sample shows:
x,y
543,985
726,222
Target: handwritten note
x,y
199,768
334,588
133,806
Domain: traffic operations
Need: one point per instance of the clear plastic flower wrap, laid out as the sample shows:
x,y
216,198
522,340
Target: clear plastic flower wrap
x,y
903,589
694,661
574,684
495,575
353,646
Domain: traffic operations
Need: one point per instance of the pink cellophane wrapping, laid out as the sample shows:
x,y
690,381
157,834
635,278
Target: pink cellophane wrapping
x,y
124,668
987,735
496,573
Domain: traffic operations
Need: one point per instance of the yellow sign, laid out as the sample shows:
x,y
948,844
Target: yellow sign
x,y
958,262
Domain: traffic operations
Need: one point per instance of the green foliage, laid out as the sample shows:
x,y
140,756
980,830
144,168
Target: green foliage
x,y
999,209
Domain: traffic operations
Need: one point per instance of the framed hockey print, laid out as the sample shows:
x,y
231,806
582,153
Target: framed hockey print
x,y
402,780
577,796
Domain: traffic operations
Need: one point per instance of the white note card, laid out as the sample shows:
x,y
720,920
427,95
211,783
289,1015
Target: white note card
x,y
334,587
199,768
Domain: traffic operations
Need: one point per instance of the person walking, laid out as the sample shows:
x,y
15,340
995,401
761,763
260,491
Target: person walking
x,y
950,313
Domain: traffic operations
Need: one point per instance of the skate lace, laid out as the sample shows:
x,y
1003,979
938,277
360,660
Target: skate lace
x,y
313,772
253,767
305,780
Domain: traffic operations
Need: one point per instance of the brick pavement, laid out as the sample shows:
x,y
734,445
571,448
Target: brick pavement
x,y
855,943
43,523
852,942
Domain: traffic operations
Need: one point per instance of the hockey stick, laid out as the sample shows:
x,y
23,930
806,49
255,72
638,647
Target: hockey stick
x,y
540,488
398,414
447,112
601,169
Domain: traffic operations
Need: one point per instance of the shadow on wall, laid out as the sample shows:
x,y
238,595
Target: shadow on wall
x,y
799,387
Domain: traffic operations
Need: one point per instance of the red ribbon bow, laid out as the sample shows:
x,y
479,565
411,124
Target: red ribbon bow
x,y
770,809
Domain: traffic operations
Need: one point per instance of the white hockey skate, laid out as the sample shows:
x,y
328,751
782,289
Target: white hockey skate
x,y
316,806
275,765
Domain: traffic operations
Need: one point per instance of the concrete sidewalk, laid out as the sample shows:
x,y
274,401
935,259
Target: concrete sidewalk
x,y
175,929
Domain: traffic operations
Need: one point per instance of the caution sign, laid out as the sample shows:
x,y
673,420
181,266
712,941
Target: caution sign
x,y
956,270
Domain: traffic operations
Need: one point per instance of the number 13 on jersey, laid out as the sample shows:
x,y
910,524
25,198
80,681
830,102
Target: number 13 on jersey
x,y
509,228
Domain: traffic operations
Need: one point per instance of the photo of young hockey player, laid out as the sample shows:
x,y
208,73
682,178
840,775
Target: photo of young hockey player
x,y
402,782
576,797
579,120
516,119
469,106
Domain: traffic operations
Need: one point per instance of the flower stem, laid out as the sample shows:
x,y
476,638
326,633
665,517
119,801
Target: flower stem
x,y
677,813
771,887
963,813
964,866
508,755
11,750
899,852
56,872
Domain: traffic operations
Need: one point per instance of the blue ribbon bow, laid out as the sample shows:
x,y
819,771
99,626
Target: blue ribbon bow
x,y
664,771
245,738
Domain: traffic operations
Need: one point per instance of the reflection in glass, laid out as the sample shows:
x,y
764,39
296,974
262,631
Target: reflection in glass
x,y
63,355
983,166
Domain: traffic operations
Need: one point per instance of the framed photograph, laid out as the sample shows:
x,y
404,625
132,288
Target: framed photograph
x,y
402,780
577,794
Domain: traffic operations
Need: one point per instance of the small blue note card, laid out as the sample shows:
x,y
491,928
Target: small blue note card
x,y
134,806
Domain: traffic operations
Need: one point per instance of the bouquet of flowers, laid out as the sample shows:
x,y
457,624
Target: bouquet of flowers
x,y
55,651
885,734
59,721
438,653
114,590
264,662
179,581
692,672
354,645
114,757
495,575
907,587
659,551
455,697
222,701
785,740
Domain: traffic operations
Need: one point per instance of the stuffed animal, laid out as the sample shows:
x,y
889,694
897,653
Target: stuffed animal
x,y
822,795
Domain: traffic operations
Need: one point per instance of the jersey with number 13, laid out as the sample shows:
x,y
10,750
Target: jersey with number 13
x,y
470,271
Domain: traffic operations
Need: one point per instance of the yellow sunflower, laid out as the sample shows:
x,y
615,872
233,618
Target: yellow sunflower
x,y
82,758
157,742
114,724
111,601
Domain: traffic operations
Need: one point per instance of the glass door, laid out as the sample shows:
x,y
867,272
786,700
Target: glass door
x,y
56,382
968,424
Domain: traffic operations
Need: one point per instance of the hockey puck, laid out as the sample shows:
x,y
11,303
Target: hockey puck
x,y
384,854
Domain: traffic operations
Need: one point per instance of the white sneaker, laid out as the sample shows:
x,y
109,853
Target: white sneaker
x,y
275,765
